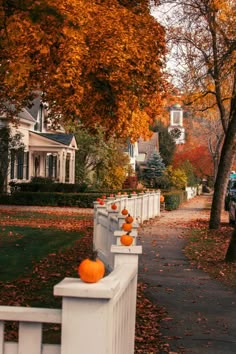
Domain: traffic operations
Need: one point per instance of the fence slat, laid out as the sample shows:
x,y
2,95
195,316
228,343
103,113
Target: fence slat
x,y
30,338
1,337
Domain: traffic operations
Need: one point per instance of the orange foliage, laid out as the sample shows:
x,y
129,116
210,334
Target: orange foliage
x,y
101,63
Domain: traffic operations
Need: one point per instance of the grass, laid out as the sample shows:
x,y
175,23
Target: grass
x,y
22,247
27,215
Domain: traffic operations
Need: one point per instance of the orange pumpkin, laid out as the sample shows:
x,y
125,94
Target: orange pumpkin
x,y
129,219
126,240
124,212
114,206
127,227
162,198
91,270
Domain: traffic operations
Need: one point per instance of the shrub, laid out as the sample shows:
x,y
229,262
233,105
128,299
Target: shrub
x,y
177,177
174,199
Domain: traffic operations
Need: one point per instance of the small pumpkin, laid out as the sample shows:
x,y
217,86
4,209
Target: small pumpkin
x,y
127,227
162,198
126,240
129,219
91,270
101,202
124,211
114,206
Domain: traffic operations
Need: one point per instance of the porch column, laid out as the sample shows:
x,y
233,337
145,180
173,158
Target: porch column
x,y
72,168
62,167
31,164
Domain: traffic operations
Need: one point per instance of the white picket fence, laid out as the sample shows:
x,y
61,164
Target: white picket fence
x,y
95,318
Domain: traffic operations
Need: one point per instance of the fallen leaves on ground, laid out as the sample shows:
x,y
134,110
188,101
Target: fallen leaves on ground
x,y
148,337
207,249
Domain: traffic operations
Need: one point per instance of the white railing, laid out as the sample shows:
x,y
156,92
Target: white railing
x,y
95,318
30,330
107,222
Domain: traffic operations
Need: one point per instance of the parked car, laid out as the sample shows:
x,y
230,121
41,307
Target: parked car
x,y
230,192
232,210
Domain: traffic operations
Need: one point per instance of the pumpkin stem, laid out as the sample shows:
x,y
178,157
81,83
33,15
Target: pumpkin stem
x,y
94,255
128,232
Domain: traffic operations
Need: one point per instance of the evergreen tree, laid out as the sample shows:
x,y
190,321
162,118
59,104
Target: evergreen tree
x,y
167,143
154,169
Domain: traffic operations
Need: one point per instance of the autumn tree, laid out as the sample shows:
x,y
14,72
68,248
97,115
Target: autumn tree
x,y
100,162
97,64
203,35
207,135
199,157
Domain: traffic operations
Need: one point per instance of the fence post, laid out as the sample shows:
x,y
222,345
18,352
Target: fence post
x,y
126,254
129,256
86,320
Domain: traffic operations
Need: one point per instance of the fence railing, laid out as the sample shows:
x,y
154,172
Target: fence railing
x,y
107,222
95,318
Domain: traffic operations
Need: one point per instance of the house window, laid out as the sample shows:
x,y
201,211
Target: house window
x,y
20,164
26,165
131,150
12,172
51,166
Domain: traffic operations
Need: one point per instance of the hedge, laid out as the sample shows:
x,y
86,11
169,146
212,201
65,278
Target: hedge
x,y
81,200
173,199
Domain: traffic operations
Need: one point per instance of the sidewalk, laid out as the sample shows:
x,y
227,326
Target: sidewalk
x,y
201,312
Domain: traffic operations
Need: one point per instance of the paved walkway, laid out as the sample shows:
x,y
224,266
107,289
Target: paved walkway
x,y
201,312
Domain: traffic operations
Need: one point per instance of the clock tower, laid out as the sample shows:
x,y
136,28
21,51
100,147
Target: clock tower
x,y
176,129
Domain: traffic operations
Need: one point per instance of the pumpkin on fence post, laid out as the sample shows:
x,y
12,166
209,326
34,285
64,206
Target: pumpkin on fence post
x,y
126,239
129,219
127,225
162,198
92,269
124,211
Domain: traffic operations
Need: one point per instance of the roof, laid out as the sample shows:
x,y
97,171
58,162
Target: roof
x,y
34,107
26,115
61,138
147,147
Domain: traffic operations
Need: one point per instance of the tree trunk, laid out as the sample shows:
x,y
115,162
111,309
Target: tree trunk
x,y
231,252
227,157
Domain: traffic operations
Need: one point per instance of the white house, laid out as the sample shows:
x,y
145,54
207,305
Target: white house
x,y
47,152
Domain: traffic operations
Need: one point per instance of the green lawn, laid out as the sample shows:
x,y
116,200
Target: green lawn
x,y
27,215
21,247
